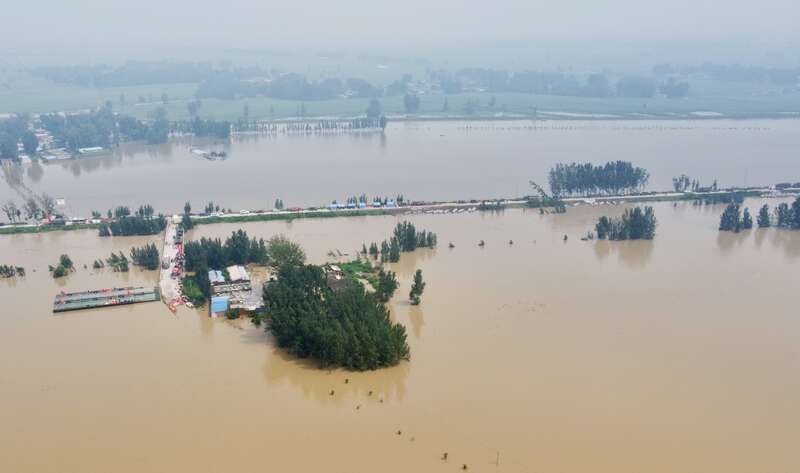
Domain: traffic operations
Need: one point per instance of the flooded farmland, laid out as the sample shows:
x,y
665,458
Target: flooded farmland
x,y
422,160
675,355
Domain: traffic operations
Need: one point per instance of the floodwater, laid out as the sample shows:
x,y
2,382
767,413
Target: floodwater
x,y
422,160
676,355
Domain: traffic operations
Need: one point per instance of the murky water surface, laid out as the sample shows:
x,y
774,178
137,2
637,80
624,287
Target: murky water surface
x,y
677,355
422,160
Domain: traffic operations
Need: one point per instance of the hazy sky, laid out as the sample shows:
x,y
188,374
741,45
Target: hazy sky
x,y
411,25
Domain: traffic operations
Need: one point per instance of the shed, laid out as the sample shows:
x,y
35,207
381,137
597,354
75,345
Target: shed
x,y
220,304
216,277
238,273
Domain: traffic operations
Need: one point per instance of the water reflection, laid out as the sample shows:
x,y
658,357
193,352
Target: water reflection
x,y
726,241
633,254
387,384
35,171
416,318
411,261
788,241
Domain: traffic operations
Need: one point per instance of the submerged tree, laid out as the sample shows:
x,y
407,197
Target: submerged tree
x,y
146,256
731,220
387,285
747,220
783,214
763,217
417,288
636,224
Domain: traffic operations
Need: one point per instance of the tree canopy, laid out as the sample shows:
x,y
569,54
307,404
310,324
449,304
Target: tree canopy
x,y
284,252
349,328
212,253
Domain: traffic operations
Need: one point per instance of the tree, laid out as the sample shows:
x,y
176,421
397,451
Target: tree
x,y
186,219
730,220
374,108
747,220
11,211
796,214
32,209
763,217
387,285
411,103
118,262
193,106
146,256
65,261
417,288
59,271
30,143
681,183
158,131
48,204
394,250
783,214
8,146
284,252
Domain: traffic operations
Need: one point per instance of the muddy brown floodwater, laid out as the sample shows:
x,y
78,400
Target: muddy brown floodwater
x,y
677,355
461,160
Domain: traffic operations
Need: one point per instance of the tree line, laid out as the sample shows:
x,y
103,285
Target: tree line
x,y
199,127
103,128
684,183
587,179
35,207
7,271
558,83
130,225
131,73
16,130
405,237
636,224
785,215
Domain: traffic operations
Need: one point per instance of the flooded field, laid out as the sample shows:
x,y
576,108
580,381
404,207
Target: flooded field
x,y
677,355
422,160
